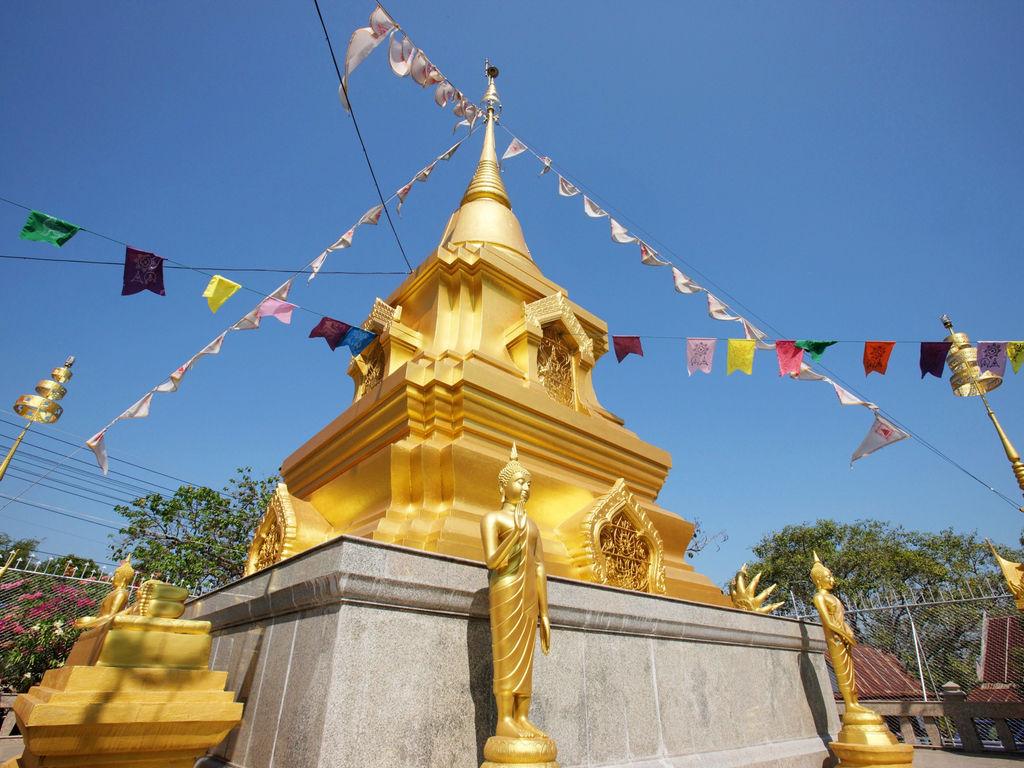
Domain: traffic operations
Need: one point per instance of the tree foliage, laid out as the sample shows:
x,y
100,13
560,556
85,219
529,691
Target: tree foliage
x,y
22,548
196,536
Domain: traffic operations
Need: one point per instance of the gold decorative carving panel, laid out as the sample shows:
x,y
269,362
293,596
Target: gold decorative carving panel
x,y
289,526
557,307
556,368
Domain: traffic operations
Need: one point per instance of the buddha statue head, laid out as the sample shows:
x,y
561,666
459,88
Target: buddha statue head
x,y
514,479
821,575
124,574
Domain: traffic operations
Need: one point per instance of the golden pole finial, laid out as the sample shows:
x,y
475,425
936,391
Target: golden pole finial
x,y
968,380
486,182
42,407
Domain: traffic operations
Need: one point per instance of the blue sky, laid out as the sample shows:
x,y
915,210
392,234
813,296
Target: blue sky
x,y
844,170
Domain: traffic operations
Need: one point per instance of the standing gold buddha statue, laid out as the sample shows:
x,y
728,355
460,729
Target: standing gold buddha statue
x,y
517,589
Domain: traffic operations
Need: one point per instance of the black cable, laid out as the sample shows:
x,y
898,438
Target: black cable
x,y
212,269
60,512
33,473
42,462
359,135
15,473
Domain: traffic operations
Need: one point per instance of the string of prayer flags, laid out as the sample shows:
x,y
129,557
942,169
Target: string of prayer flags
x,y
717,310
220,289
683,283
516,147
566,189
401,195
278,298
47,229
97,444
876,356
592,209
627,345
791,357
545,163
372,216
424,173
361,45
992,356
933,357
700,353
619,233
815,348
138,410
740,356
447,154
882,433
400,53
174,380
143,271
649,256
1015,351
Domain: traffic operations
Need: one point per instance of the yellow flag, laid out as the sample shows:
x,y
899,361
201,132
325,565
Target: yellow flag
x,y
219,290
1015,351
741,356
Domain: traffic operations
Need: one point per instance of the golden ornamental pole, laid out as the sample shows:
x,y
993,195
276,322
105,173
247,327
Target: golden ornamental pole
x,y
967,380
42,407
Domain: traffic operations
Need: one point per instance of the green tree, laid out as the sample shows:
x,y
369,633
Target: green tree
x,y
22,548
197,536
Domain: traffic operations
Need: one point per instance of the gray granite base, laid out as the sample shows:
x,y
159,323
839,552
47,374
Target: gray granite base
x,y
357,654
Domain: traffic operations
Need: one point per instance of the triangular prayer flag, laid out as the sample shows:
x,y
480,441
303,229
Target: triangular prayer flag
x,y
627,345
271,307
740,356
516,147
848,398
315,266
143,271
718,310
1015,351
98,446
372,216
139,410
683,283
992,356
933,357
401,195
424,173
330,330
545,165
816,348
649,256
619,233
751,331
881,434
400,53
809,374
790,357
592,209
443,94
447,154
220,289
358,339
876,356
174,380
47,229
361,45
565,189
700,353
345,240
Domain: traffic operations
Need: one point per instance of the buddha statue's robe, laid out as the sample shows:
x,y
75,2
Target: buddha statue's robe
x,y
514,610
831,609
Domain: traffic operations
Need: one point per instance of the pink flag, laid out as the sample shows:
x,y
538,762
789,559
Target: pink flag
x,y
881,434
683,283
649,256
790,357
271,307
700,353
372,216
98,446
401,195
400,53
565,189
139,410
515,148
545,162
619,233
592,209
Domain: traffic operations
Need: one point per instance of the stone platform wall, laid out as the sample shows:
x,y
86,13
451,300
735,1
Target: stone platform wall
x,y
357,654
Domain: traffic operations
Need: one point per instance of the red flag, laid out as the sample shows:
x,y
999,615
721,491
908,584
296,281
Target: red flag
x,y
790,357
626,345
876,356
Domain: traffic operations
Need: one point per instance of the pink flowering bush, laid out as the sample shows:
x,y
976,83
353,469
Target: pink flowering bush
x,y
37,629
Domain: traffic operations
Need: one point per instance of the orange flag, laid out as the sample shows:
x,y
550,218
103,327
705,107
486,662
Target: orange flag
x,y
876,356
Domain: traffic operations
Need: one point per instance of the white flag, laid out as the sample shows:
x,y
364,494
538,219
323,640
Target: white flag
x,y
516,147
619,233
717,309
213,348
546,165
848,398
98,446
361,45
423,71
649,256
139,410
281,292
881,434
808,374
447,154
591,209
753,332
565,189
444,93
683,283
342,242
400,53
249,322
401,195
372,216
315,266
424,174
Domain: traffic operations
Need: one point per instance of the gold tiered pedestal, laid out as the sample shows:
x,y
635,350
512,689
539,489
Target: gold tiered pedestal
x,y
135,691
477,348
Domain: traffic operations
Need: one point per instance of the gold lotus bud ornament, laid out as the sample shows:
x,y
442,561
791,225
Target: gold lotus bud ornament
x,y
744,594
42,407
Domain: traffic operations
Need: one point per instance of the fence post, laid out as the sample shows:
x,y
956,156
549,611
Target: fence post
x,y
954,702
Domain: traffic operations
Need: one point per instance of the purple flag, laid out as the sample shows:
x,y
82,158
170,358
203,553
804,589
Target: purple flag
x,y
992,356
700,353
330,330
626,345
143,271
933,357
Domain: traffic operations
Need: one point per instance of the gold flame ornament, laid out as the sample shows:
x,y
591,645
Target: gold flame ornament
x,y
42,407
967,380
744,594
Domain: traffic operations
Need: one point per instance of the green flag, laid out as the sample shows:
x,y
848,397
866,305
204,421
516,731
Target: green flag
x,y
816,348
47,229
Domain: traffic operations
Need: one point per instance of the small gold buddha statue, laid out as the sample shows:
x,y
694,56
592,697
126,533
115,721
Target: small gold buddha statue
x,y
517,588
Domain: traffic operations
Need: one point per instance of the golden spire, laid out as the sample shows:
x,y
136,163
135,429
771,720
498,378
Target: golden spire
x,y
486,182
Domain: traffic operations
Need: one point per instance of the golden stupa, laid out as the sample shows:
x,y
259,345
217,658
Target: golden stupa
x,y
477,349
